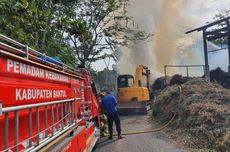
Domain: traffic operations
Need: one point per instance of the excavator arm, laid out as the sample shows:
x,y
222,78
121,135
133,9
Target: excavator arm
x,y
141,71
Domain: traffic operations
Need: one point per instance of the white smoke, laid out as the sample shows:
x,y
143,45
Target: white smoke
x,y
168,20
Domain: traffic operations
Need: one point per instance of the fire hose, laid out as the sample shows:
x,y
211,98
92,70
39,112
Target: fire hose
x,y
160,128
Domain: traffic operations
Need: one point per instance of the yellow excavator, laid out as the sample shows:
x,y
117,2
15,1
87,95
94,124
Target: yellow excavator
x,y
134,94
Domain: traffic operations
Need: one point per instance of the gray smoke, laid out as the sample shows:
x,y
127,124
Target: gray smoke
x,y
168,20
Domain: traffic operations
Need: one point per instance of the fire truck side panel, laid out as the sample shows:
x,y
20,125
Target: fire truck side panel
x,y
24,83
81,142
27,79
89,134
24,124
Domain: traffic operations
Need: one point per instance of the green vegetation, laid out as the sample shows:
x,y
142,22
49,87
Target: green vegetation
x,y
76,31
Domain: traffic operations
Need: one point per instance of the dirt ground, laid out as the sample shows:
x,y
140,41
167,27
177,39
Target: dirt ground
x,y
149,142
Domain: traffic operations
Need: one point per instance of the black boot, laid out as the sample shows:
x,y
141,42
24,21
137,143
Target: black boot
x,y
119,136
110,137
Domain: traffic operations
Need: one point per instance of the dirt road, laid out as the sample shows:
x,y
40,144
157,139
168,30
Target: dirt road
x,y
150,142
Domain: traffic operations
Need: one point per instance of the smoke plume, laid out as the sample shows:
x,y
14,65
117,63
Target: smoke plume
x,y
168,20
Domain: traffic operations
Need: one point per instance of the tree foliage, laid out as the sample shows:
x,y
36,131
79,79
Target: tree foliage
x,y
33,22
76,31
99,27
23,20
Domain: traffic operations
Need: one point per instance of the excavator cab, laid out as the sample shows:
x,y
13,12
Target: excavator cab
x,y
124,81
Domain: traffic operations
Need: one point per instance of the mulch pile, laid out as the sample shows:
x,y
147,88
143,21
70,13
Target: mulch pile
x,y
203,113
216,75
220,77
160,83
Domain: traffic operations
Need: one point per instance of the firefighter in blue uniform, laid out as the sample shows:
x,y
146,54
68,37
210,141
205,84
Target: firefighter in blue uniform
x,y
108,104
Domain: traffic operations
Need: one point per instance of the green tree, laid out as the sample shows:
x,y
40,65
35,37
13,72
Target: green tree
x,y
99,26
76,31
34,23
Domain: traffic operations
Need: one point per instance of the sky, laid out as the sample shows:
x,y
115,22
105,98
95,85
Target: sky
x,y
204,10
208,9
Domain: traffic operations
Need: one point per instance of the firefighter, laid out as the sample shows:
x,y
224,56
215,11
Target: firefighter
x,y
108,104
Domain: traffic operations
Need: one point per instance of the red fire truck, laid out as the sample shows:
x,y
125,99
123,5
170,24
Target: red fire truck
x,y
44,104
